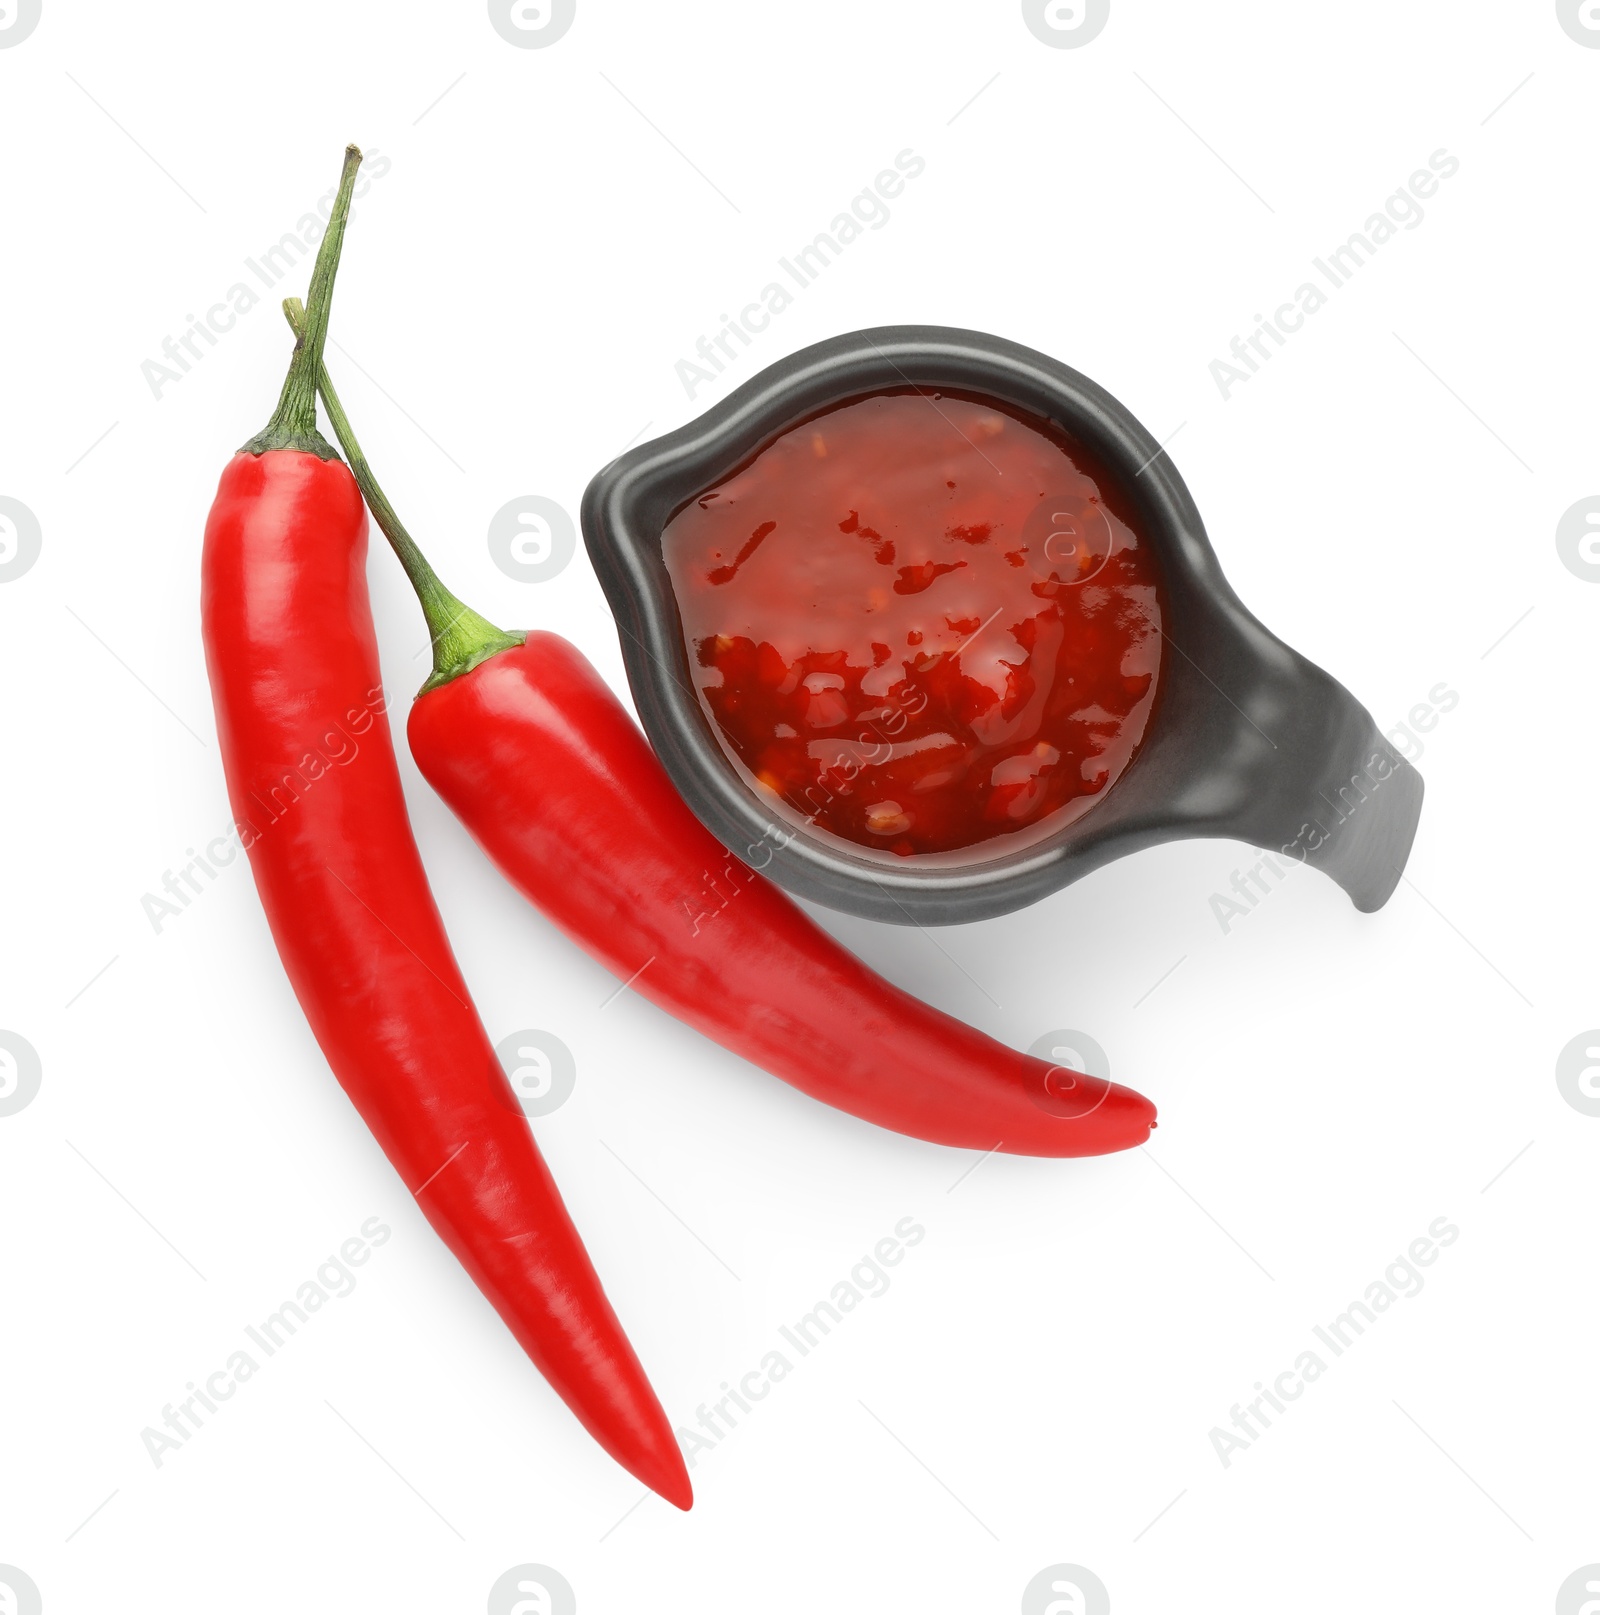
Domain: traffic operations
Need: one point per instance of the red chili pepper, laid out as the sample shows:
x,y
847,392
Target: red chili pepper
x,y
542,763
316,792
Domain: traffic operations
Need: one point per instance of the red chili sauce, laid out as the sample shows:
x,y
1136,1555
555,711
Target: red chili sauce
x,y
922,620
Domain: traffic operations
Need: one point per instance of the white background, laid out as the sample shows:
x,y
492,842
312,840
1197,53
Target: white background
x,y
1041,1380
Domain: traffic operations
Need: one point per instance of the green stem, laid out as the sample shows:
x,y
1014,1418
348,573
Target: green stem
x,y
461,638
294,422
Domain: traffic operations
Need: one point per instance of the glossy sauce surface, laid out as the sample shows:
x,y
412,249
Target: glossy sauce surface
x,y
922,620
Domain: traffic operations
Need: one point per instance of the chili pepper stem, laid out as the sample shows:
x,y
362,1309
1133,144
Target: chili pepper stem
x,y
294,422
461,638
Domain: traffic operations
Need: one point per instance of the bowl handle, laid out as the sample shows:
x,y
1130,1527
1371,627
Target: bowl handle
x,y
1342,798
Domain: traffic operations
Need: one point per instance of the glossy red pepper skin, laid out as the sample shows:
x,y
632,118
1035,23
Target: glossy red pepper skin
x,y
550,774
314,787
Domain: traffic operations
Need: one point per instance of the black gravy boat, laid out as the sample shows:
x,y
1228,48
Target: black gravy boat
x,y
1247,740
